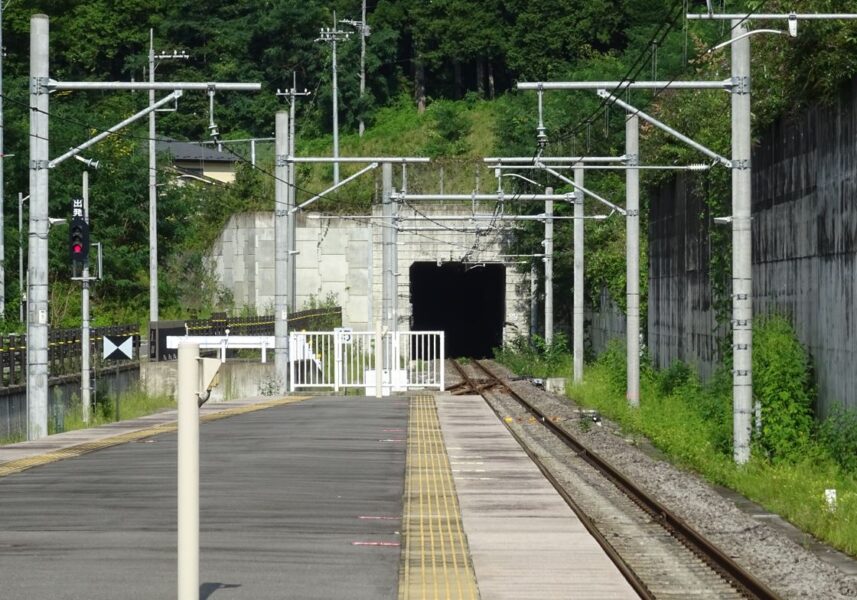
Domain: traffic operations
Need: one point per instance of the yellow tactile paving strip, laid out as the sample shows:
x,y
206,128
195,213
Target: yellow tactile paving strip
x,y
16,466
435,557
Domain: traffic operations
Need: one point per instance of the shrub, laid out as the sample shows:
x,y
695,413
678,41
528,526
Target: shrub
x,y
534,357
838,435
782,385
677,375
615,359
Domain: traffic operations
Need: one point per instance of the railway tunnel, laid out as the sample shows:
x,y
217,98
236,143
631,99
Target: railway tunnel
x,y
467,302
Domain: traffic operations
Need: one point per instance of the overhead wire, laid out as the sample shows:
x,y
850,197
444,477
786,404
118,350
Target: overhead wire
x,y
137,137
606,102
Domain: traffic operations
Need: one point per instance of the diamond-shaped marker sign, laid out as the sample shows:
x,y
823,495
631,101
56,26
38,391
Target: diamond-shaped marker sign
x,y
118,347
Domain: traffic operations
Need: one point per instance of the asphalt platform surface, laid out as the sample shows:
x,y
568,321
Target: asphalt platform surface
x,y
298,501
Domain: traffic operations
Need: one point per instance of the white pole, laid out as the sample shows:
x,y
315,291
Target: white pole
x,y
37,307
534,313
379,359
387,247
363,29
548,268
23,288
577,315
188,472
370,276
84,327
290,193
632,249
742,266
281,252
335,109
153,193
2,185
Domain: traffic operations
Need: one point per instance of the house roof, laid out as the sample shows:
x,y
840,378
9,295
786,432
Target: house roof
x,y
187,151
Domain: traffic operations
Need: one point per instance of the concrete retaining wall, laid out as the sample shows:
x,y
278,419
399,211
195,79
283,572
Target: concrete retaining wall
x,y
804,249
343,257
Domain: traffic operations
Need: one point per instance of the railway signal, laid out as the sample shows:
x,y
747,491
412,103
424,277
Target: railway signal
x,y
78,240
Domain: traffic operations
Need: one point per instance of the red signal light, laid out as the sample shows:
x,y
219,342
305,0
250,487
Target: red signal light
x,y
78,240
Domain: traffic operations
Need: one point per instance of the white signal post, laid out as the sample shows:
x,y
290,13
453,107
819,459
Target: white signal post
x,y
153,176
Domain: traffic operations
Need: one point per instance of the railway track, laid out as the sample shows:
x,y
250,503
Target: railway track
x,y
644,568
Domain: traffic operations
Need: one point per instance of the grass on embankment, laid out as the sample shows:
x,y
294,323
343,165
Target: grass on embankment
x,y
691,423
130,406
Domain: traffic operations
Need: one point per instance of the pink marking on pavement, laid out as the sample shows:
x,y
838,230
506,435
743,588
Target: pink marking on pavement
x,y
379,518
392,430
391,440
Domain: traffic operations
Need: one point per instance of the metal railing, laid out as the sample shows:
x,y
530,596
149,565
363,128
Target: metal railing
x,y
64,352
347,359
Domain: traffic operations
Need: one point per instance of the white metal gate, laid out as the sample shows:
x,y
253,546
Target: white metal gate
x,y
349,359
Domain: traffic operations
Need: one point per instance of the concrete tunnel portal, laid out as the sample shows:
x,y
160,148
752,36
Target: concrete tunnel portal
x,y
467,302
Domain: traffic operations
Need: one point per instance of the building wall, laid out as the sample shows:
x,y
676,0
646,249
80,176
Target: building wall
x,y
219,171
343,257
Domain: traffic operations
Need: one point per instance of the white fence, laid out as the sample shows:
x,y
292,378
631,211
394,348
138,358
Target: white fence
x,y
348,359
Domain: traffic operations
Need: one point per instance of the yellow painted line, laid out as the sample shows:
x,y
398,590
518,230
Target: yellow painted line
x,y
22,464
435,557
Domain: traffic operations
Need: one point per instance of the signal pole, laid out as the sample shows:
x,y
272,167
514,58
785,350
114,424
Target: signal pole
x,y
2,184
332,36
153,178
85,390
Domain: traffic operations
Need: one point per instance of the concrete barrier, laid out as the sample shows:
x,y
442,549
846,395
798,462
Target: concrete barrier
x,y
237,380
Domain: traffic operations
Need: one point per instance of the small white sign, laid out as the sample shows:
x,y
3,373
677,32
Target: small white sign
x,y
344,334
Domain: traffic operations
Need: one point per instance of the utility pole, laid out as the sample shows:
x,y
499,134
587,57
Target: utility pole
x,y
37,305
632,252
332,36
549,268
292,95
363,30
742,260
282,281
153,178
387,241
577,316
2,184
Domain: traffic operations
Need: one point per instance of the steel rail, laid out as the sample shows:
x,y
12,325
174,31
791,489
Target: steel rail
x,y
628,573
743,581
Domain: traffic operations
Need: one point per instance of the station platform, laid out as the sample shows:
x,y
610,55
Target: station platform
x,y
413,497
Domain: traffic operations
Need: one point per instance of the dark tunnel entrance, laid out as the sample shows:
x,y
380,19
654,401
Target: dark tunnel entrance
x,y
467,302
